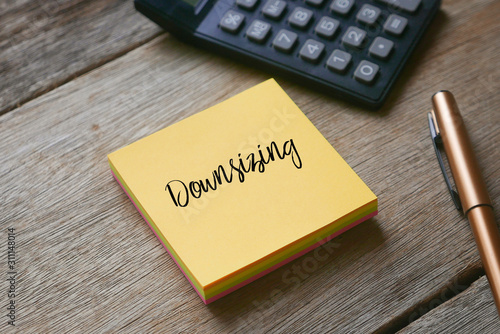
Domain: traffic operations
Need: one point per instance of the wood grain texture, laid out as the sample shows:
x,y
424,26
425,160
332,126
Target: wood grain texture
x,y
88,262
454,315
44,44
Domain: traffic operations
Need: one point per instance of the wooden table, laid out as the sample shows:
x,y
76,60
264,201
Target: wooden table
x,y
80,79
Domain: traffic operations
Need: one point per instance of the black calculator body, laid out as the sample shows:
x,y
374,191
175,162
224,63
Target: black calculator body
x,y
352,49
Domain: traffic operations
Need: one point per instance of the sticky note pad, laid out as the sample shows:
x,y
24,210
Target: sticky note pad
x,y
241,188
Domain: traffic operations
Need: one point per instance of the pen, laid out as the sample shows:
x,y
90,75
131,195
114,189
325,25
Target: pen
x,y
474,198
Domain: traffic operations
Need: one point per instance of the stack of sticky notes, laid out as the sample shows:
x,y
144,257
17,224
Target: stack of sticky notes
x,y
241,188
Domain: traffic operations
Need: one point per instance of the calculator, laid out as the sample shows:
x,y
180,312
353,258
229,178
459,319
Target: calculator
x,y
352,49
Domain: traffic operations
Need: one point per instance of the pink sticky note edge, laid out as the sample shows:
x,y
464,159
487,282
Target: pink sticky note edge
x,y
262,273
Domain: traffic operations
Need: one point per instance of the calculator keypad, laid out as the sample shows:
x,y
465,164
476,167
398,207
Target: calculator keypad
x,y
352,43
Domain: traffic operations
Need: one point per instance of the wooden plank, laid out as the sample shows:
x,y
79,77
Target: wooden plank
x,y
44,44
473,311
87,261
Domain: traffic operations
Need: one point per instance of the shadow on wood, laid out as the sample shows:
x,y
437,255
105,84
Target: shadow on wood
x,y
304,276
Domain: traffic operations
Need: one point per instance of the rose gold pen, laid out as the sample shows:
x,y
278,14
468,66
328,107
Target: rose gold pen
x,y
449,127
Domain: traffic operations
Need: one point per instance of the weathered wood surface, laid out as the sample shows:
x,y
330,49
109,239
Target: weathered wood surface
x,y
44,44
88,263
454,316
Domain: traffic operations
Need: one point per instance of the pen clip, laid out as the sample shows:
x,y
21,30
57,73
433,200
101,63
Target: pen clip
x,y
436,140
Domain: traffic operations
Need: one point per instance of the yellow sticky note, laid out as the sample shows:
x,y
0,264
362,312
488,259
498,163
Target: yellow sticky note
x,y
240,188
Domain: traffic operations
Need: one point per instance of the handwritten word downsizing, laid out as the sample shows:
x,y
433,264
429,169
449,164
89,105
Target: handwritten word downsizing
x,y
180,191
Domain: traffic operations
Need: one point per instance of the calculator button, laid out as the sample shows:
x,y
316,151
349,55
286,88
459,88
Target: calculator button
x,y
315,3
342,7
395,24
368,14
338,61
354,37
381,47
285,41
274,9
326,27
406,5
300,17
366,72
258,31
312,50
231,21
247,4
